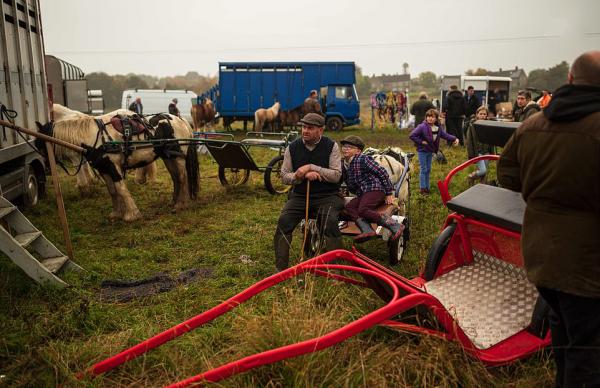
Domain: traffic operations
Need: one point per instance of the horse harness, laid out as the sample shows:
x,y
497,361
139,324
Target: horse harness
x,y
158,131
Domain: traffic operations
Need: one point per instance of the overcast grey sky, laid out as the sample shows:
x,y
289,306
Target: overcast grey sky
x,y
171,37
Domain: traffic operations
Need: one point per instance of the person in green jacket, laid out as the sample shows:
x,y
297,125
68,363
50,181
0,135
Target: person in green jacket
x,y
475,148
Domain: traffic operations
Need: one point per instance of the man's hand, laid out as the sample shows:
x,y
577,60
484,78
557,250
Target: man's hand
x,y
456,142
313,176
389,199
301,172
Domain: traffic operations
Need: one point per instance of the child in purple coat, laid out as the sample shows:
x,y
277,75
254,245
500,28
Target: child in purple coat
x,y
427,136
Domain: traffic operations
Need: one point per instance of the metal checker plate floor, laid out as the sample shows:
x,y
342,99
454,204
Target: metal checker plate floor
x,y
490,299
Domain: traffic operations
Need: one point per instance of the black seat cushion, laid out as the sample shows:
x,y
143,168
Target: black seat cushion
x,y
491,204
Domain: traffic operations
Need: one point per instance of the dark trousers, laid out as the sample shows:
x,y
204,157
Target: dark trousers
x,y
326,208
575,327
454,126
365,205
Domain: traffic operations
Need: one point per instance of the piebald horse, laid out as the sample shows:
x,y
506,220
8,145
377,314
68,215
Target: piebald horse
x,y
263,116
181,160
85,177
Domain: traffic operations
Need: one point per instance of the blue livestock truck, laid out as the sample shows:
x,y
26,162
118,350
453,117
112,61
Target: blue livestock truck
x,y
245,87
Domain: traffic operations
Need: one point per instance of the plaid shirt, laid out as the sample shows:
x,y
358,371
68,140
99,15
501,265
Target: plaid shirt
x,y
363,174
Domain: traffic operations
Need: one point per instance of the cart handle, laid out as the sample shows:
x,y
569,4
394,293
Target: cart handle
x,y
213,135
445,184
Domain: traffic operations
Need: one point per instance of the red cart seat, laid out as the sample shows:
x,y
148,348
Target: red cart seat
x,y
491,204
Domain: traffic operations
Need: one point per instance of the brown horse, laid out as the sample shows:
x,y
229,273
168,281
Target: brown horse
x,y
181,160
290,117
265,116
203,114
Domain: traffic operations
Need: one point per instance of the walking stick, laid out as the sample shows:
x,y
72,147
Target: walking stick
x,y
305,220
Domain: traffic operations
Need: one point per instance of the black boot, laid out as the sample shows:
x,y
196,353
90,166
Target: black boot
x,y
367,231
394,227
282,250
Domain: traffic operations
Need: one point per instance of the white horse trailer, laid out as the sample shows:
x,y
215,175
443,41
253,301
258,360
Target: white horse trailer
x,y
23,91
484,86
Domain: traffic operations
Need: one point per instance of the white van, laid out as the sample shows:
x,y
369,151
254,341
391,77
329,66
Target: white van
x,y
158,100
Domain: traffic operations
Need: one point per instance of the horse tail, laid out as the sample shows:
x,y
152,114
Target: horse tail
x,y
192,169
257,123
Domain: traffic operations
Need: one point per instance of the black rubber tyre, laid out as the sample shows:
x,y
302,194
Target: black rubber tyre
x,y
437,252
31,190
233,176
334,124
273,177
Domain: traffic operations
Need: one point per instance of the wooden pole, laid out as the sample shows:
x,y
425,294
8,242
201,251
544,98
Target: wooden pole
x,y
62,214
46,138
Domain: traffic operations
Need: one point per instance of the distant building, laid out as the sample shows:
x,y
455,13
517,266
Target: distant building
x,y
518,76
390,82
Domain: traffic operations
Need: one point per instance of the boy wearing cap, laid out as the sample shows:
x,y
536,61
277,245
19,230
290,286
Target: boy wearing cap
x,y
315,158
372,185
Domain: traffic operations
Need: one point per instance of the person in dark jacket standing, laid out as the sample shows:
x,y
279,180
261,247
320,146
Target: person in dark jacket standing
x,y
553,160
455,113
311,103
471,102
173,109
137,106
426,137
315,158
420,107
525,106
372,186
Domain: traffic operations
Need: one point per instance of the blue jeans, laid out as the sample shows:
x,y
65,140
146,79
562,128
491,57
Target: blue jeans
x,y
481,167
424,168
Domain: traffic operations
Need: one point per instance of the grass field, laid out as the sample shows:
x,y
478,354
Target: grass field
x,y
47,335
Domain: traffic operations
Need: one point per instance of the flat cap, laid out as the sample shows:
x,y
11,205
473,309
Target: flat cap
x,y
354,140
313,119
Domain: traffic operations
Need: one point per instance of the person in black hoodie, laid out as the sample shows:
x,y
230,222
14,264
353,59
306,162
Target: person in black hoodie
x,y
455,113
553,159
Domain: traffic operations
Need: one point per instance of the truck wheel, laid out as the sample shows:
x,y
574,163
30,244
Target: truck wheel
x,y
31,191
273,177
334,124
437,252
233,176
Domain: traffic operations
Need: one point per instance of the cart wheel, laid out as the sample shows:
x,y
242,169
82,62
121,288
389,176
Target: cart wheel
x,y
313,244
334,124
437,252
397,248
233,176
273,177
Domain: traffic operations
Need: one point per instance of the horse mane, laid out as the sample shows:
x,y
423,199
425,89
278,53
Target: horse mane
x,y
74,131
61,113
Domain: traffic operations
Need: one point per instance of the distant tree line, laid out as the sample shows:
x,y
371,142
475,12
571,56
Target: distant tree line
x,y
112,86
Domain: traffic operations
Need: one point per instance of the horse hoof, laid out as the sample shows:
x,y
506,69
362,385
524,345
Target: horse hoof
x,y
113,216
132,217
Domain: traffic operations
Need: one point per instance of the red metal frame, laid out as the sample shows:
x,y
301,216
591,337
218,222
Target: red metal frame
x,y
444,185
400,293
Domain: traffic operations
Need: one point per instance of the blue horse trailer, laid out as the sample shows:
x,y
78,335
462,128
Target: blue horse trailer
x,y
245,87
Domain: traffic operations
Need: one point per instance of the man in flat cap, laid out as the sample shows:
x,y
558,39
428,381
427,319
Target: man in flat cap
x,y
317,159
